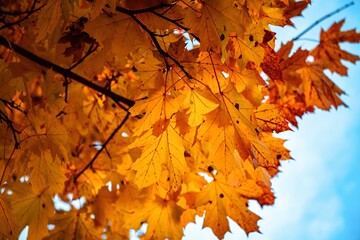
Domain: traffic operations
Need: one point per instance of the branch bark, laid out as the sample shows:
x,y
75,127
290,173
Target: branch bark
x,y
65,72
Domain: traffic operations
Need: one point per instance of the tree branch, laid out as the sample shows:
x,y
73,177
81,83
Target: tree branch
x,y
66,72
322,19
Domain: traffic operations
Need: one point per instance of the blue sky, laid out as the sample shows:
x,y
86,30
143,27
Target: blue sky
x,y
318,193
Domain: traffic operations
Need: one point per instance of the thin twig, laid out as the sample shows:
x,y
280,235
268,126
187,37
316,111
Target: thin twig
x,y
91,49
322,19
158,47
173,21
102,147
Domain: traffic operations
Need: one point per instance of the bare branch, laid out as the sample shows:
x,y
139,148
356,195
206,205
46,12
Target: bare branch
x,y
322,19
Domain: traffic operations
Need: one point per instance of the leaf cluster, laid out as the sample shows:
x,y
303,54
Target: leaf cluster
x,y
152,111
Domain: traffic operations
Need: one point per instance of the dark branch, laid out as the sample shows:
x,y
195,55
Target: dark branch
x,y
12,105
144,10
102,147
91,49
173,21
66,73
322,19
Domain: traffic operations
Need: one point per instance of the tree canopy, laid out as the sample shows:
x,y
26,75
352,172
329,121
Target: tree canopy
x,y
151,111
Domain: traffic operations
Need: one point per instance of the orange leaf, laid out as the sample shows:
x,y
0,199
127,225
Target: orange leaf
x,y
9,227
328,53
221,200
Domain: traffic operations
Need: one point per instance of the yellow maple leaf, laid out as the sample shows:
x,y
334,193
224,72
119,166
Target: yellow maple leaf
x,y
278,151
198,104
210,72
162,217
32,209
46,172
161,104
166,150
73,225
48,133
206,19
274,16
119,30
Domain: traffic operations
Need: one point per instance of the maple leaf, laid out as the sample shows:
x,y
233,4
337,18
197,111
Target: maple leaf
x,y
103,206
319,90
278,151
220,200
163,218
329,54
48,134
275,16
118,30
225,138
73,225
207,20
271,63
32,209
46,172
295,8
164,149
198,105
246,49
210,72
269,118
161,104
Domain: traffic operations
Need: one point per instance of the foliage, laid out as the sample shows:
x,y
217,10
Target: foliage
x,y
153,111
